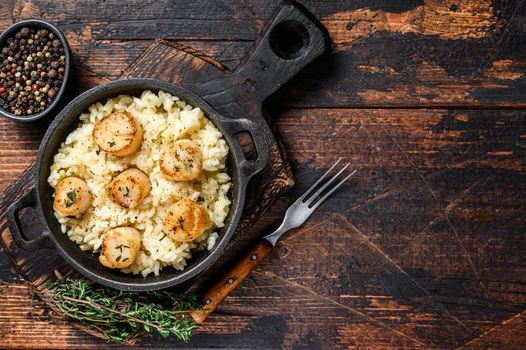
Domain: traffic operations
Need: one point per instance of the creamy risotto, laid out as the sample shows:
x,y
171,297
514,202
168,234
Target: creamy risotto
x,y
142,182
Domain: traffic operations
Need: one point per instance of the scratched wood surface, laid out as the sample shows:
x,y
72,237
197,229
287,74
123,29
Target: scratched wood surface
x,y
424,249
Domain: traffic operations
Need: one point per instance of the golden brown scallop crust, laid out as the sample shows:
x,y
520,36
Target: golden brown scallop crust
x,y
118,133
72,197
182,162
129,188
120,247
185,220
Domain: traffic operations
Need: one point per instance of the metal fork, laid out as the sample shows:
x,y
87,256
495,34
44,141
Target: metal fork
x,y
297,213
306,204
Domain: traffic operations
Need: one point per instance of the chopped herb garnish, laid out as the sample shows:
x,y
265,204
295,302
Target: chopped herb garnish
x,y
72,198
180,221
118,258
187,167
72,195
111,143
163,237
177,169
97,151
127,192
123,260
119,247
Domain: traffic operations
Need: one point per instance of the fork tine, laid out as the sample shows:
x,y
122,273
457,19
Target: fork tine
x,y
302,197
331,180
325,196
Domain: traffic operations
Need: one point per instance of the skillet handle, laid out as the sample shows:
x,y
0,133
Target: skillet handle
x,y
249,168
15,227
292,39
223,287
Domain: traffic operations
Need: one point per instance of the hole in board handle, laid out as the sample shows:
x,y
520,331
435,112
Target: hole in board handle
x,y
247,145
289,39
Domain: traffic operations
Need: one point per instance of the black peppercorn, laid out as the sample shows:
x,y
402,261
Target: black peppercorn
x,y
52,74
24,32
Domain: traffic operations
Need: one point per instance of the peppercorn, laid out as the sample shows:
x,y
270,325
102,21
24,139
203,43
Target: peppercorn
x,y
24,32
52,74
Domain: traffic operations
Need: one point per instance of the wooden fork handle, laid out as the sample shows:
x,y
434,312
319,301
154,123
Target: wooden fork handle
x,y
235,276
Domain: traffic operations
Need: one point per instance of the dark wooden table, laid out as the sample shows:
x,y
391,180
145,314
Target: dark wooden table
x,y
424,249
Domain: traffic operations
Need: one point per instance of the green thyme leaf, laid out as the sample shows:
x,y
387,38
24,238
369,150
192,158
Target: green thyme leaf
x,y
111,143
72,195
72,198
187,167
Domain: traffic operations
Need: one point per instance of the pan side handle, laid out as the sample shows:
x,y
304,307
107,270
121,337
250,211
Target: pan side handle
x,y
249,168
293,39
15,227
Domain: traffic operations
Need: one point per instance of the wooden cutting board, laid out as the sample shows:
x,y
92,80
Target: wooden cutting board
x,y
196,71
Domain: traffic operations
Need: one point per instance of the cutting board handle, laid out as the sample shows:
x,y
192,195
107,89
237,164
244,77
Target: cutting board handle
x,y
293,39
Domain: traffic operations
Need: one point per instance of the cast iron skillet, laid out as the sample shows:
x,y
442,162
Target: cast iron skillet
x,y
240,169
293,39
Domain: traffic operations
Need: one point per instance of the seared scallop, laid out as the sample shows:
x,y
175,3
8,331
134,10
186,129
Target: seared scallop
x,y
118,133
129,188
72,197
120,247
185,220
182,162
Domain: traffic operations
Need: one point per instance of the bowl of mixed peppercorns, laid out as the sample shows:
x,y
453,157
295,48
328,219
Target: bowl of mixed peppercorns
x,y
35,67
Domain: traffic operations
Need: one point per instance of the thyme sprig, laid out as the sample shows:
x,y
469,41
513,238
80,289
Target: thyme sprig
x,y
119,315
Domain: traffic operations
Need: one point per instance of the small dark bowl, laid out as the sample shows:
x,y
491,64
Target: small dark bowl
x,y
35,23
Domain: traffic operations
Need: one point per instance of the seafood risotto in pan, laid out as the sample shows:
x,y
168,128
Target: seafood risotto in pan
x,y
142,181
